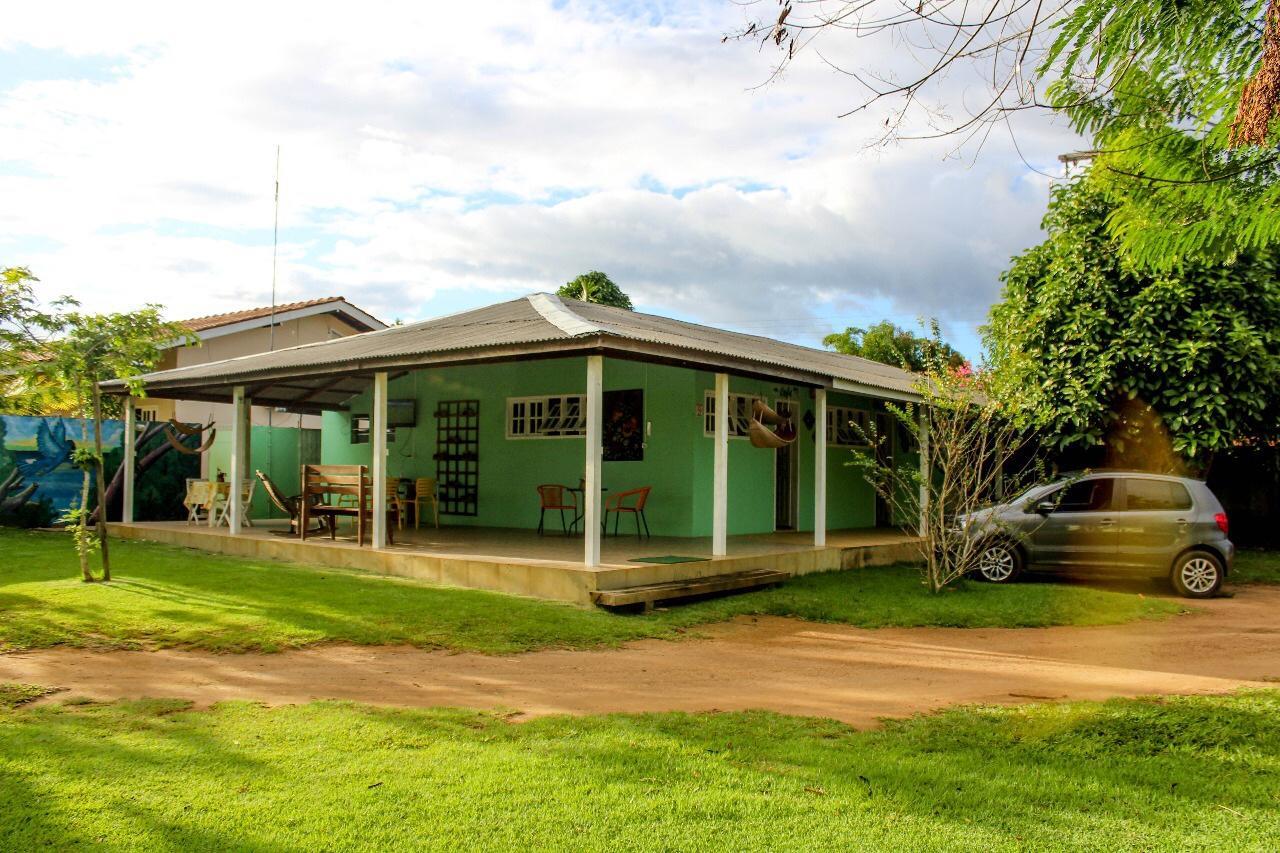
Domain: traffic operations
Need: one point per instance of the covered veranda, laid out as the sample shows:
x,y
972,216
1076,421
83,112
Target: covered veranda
x,y
328,376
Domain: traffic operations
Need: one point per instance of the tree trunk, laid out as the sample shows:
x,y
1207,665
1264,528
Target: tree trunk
x,y
102,481
145,462
11,503
82,537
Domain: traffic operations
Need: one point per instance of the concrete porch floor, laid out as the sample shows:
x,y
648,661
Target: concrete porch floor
x,y
524,563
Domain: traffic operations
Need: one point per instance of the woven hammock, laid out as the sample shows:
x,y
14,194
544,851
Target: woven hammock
x,y
760,435
173,429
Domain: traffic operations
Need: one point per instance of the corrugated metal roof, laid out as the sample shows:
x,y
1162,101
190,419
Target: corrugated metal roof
x,y
527,321
664,330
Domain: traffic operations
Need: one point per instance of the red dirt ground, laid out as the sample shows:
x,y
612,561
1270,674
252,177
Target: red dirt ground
x,y
784,665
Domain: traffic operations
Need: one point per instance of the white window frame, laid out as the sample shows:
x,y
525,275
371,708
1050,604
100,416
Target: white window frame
x,y
740,412
532,417
846,435
145,415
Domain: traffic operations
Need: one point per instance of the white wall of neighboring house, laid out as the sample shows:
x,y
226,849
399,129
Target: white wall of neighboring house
x,y
216,347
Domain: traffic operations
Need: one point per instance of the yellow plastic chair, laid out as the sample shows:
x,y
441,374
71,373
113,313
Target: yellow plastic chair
x,y
424,491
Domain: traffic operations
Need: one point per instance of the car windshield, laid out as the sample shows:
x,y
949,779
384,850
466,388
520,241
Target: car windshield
x,y
1035,492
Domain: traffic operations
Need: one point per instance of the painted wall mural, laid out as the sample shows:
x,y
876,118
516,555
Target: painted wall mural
x,y
38,482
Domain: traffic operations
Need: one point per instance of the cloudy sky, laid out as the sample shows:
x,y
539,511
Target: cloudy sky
x,y
443,156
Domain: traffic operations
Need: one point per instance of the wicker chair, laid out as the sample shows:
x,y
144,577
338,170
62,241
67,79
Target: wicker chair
x,y
632,502
552,496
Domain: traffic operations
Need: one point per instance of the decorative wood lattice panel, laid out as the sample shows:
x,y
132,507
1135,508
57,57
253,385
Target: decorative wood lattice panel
x,y
458,456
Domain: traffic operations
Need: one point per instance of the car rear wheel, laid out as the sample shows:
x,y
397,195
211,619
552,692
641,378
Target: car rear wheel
x,y
1197,574
998,562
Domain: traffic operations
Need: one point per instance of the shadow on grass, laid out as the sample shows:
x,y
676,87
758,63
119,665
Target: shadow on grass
x,y
167,596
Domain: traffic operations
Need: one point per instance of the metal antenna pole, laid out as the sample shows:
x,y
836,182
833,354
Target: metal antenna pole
x,y
275,250
271,340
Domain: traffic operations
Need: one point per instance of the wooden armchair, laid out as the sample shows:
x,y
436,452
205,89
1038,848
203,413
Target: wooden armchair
x,y
290,505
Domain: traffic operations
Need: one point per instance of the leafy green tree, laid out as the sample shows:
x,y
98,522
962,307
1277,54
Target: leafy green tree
x,y
1179,97
889,344
90,349
596,287
24,330
1098,352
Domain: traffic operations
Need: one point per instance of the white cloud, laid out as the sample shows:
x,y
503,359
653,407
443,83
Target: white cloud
x,y
434,158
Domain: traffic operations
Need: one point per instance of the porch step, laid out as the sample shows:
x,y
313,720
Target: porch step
x,y
650,593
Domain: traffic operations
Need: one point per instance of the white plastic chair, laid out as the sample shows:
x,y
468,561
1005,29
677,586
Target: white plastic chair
x,y
223,507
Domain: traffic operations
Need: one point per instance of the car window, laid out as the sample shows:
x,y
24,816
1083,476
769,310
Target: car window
x,y
1085,496
1156,495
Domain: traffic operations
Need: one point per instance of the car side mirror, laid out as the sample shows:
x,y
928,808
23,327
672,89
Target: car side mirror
x,y
1046,507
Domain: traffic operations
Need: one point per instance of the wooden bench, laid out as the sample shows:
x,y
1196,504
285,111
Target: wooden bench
x,y
320,482
671,590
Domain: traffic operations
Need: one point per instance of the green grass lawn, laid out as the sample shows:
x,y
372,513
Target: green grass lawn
x,y
164,596
1256,566
1171,774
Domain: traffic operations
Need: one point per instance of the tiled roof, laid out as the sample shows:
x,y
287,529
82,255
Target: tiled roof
x,y
213,321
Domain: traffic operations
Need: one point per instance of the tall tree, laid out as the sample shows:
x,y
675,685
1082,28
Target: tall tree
x,y
1179,97
1099,352
889,344
596,287
91,349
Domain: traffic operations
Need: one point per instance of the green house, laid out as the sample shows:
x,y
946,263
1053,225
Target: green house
x,y
493,403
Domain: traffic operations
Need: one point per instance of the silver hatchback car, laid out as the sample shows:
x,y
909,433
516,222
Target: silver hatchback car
x,y
1108,522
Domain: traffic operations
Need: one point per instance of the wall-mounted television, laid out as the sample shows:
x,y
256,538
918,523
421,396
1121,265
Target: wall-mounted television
x,y
402,413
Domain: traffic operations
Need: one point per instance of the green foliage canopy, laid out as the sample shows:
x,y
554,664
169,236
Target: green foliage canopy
x,y
1181,102
93,348
889,344
1088,345
596,287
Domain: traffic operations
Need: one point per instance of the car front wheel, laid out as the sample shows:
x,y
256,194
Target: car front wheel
x,y
1197,574
998,562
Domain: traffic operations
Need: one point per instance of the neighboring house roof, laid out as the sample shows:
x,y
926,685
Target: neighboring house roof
x,y
216,325
325,375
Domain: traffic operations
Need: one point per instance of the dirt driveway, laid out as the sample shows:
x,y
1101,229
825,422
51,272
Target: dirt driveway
x,y
783,665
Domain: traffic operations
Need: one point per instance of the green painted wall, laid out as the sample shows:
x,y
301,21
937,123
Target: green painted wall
x,y
271,449
678,456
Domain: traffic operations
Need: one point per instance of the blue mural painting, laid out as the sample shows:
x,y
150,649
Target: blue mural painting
x,y
38,482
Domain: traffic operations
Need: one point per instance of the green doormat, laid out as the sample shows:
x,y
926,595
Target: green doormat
x,y
667,559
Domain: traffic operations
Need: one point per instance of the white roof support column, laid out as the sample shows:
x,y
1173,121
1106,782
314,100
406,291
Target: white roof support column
x,y
130,460
924,472
239,455
378,439
820,468
720,491
593,468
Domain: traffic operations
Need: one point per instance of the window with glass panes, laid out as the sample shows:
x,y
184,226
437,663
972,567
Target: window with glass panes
x,y
739,413
554,416
848,427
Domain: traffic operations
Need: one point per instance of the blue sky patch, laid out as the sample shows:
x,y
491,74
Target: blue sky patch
x,y
25,64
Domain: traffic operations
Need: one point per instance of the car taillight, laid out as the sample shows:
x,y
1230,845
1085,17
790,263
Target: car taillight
x,y
1221,520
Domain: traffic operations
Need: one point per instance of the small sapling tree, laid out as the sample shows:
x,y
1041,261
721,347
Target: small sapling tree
x,y
971,452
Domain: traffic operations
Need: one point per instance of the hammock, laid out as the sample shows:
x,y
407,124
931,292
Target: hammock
x,y
760,434
173,429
